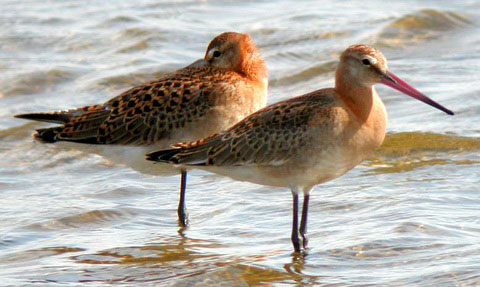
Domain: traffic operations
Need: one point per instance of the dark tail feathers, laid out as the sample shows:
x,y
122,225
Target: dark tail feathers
x,y
56,117
48,135
166,155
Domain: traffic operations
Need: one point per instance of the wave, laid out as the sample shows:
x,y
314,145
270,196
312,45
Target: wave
x,y
36,82
406,151
424,25
305,74
85,220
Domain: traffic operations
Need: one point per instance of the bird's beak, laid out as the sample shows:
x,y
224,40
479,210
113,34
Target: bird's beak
x,y
398,84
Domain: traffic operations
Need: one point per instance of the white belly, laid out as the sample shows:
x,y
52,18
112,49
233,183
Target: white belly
x,y
304,173
131,156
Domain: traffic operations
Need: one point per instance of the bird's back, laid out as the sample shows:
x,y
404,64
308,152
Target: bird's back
x,y
155,111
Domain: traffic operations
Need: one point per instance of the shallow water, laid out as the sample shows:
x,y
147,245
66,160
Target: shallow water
x,y
409,216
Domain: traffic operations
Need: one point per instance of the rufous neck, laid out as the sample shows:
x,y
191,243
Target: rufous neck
x,y
357,97
255,68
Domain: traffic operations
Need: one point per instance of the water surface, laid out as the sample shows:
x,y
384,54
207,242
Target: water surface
x,y
408,216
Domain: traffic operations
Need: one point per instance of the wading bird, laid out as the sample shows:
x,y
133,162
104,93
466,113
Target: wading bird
x,y
306,140
205,97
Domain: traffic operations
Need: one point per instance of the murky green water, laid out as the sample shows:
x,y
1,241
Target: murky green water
x,y
410,216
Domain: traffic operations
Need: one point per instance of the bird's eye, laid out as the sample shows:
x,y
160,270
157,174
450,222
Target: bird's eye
x,y
216,54
366,62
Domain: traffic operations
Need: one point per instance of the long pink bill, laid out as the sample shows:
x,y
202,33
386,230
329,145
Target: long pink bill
x,y
398,84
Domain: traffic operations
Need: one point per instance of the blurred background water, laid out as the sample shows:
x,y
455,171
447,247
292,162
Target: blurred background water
x,y
409,216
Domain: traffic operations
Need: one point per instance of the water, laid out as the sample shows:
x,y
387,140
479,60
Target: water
x,y
409,216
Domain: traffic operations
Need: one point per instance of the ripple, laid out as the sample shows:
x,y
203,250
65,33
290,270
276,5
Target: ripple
x,y
417,228
385,248
184,262
306,74
407,151
172,251
17,132
135,32
408,143
121,192
127,80
30,155
427,24
429,19
55,21
279,39
36,82
34,254
134,39
86,220
235,275
138,46
118,19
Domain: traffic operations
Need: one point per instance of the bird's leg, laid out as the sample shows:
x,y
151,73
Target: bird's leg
x,y
303,223
182,214
295,239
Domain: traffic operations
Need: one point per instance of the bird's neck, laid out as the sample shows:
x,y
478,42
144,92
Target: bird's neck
x,y
254,68
368,109
357,97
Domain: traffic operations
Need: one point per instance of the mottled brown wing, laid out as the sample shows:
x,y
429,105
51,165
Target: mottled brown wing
x,y
270,136
147,113
82,125
79,125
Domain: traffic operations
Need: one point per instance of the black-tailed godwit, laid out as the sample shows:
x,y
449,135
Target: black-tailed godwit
x,y
205,97
303,141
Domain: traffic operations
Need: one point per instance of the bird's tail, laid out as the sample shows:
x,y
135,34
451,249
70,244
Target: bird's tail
x,y
48,135
54,117
77,125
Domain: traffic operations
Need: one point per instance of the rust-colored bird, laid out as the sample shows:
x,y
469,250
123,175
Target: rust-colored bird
x,y
306,140
205,97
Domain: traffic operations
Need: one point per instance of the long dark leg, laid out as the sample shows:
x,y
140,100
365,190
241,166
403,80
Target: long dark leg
x,y
182,215
295,239
303,223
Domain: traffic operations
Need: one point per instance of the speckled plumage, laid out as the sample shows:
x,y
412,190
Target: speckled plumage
x,y
190,99
146,114
271,136
306,140
203,98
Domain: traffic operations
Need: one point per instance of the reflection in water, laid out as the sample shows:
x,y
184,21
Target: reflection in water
x,y
295,269
35,254
182,261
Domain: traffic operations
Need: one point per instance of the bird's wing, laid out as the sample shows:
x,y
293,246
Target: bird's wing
x,y
148,113
144,114
270,136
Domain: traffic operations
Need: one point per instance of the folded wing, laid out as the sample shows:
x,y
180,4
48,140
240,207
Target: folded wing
x,y
270,136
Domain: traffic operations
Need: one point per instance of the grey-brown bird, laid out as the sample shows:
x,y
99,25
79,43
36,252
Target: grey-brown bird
x,y
205,97
303,141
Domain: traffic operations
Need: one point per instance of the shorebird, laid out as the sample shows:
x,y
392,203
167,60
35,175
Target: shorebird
x,y
306,140
205,97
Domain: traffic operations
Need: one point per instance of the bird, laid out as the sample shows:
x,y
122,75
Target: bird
x,y
205,97
306,140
